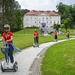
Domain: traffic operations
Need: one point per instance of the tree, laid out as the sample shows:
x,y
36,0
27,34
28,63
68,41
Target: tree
x,y
67,11
1,16
10,10
24,11
67,23
56,27
18,22
64,10
73,15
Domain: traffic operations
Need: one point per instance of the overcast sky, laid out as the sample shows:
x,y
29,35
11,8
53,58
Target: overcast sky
x,y
42,4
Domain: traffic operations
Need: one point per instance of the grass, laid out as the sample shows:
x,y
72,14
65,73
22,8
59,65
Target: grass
x,y
72,31
60,59
24,38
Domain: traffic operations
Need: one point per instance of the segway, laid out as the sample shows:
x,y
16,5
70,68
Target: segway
x,y
8,66
35,44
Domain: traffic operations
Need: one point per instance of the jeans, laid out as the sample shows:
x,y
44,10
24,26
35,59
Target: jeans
x,y
36,40
9,53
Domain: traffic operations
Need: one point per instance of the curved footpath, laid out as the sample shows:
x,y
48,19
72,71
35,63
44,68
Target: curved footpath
x,y
26,57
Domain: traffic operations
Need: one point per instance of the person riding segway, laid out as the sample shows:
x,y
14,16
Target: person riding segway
x,y
68,35
36,39
55,35
7,39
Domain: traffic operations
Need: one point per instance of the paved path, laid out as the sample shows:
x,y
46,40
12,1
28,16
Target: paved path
x,y
26,58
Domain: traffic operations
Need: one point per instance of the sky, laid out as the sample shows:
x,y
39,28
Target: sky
x,y
42,4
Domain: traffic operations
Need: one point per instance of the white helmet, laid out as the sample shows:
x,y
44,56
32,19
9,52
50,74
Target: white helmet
x,y
7,27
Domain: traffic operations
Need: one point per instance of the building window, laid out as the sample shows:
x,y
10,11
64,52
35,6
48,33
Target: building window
x,y
46,17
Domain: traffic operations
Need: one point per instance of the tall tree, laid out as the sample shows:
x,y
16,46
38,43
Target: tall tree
x,y
24,11
67,11
67,23
9,12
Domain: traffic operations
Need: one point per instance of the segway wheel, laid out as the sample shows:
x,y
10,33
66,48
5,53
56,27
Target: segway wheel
x,y
38,46
3,70
15,67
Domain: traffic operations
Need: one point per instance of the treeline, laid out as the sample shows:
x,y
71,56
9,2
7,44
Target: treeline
x,y
67,13
11,13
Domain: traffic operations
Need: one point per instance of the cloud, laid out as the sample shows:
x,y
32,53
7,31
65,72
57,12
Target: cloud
x,y
42,4
39,4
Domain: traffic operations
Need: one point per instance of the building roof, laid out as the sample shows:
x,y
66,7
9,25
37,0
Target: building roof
x,y
35,12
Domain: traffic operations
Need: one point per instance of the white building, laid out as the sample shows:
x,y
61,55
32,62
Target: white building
x,y
38,18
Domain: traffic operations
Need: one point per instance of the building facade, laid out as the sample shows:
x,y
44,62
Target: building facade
x,y
45,19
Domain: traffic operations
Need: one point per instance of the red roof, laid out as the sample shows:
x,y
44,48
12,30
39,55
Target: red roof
x,y
34,13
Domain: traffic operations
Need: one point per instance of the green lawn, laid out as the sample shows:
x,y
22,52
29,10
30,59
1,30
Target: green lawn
x,y
24,38
60,59
72,31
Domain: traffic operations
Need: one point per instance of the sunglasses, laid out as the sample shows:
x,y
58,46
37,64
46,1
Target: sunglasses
x,y
6,28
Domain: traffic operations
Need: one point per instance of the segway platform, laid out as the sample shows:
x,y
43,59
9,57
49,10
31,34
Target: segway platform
x,y
9,67
35,45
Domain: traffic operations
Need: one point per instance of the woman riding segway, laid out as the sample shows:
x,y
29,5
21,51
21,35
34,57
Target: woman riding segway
x,y
7,39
